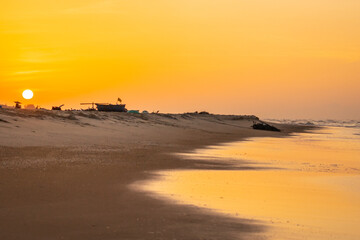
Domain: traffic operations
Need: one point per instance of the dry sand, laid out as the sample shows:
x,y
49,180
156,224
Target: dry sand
x,y
65,175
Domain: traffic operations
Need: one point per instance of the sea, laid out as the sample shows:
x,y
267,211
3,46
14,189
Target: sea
x,y
304,186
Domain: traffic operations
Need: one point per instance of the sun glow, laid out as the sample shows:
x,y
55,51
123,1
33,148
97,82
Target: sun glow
x,y
273,52
28,94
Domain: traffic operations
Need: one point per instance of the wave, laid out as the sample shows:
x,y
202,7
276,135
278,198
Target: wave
x,y
311,122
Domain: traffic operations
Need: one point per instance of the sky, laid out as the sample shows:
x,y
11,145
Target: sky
x,y
278,59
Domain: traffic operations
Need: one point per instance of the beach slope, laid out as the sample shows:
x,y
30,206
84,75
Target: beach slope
x,y
66,174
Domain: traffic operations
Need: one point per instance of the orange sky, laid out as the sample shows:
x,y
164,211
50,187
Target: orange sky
x,y
286,58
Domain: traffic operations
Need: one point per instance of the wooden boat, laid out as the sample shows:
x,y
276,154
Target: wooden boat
x,y
111,107
118,107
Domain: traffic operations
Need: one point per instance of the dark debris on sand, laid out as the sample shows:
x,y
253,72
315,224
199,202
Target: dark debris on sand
x,y
264,126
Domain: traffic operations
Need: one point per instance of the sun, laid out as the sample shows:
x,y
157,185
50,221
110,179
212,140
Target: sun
x,y
28,94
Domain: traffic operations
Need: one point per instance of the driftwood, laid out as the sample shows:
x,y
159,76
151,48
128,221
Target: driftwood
x,y
264,126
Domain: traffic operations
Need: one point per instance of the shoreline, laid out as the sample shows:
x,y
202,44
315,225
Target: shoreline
x,y
78,188
305,177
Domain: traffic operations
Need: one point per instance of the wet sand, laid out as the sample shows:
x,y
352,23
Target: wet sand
x,y
308,186
66,175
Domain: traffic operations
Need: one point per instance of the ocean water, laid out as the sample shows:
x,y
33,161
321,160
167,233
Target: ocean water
x,y
305,186
320,123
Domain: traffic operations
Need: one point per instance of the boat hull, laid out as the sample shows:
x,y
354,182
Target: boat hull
x,y
111,107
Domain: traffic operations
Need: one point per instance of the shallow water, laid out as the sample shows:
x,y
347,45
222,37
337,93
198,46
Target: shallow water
x,y
307,186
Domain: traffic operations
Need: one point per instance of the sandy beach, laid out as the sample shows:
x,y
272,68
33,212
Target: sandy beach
x,y
179,120
66,175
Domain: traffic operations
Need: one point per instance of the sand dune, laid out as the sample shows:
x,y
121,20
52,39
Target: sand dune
x,y
42,127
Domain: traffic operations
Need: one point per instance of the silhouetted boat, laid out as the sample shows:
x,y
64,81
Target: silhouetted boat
x,y
111,107
104,107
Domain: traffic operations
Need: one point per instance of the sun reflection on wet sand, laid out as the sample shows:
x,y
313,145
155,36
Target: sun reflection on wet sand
x,y
315,194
